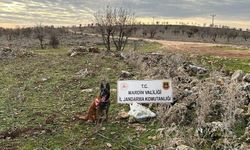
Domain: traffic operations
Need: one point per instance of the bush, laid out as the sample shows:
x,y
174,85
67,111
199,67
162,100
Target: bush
x,y
54,41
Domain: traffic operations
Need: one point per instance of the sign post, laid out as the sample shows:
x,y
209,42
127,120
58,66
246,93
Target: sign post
x,y
141,91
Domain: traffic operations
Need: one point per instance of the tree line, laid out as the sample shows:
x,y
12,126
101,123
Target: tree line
x,y
116,25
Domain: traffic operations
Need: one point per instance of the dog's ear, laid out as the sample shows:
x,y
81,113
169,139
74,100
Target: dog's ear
x,y
108,86
102,86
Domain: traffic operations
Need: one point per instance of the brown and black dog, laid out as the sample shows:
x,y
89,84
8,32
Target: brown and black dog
x,y
99,107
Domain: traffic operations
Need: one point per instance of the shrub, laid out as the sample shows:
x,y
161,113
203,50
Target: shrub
x,y
40,34
54,41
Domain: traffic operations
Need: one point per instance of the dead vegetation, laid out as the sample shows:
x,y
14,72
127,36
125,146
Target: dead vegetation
x,y
207,108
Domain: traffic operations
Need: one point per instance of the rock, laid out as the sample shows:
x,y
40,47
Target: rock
x,y
126,74
246,87
246,136
246,101
184,147
152,138
180,113
212,131
8,53
176,142
8,138
132,119
6,49
220,82
77,51
187,92
82,73
123,114
195,70
44,79
237,75
109,145
246,78
94,50
215,112
103,129
140,128
82,142
113,90
87,90
5,52
123,56
245,146
73,54
239,113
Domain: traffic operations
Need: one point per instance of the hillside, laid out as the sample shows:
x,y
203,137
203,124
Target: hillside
x,y
42,90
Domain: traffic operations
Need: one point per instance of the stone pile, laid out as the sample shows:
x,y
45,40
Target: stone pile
x,y
212,96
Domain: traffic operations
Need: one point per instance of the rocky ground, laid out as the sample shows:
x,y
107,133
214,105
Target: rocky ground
x,y
211,108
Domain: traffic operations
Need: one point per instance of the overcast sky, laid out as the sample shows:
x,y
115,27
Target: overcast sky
x,y
235,13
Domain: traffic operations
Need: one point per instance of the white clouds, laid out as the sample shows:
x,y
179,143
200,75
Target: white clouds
x,y
80,11
48,12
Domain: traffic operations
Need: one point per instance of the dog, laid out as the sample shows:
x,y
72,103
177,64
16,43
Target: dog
x,y
99,107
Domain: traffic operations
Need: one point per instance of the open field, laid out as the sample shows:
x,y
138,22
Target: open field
x,y
180,68
213,49
42,92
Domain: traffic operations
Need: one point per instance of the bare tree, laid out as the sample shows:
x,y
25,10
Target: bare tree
x,y
40,34
26,32
245,35
213,33
232,35
124,25
115,23
10,34
54,41
105,21
81,29
192,31
152,30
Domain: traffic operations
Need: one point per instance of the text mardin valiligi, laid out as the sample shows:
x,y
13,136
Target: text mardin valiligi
x,y
135,96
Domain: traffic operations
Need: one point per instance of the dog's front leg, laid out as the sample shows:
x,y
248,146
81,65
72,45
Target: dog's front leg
x,y
97,115
106,113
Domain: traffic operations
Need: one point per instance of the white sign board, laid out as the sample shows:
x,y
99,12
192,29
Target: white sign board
x,y
140,91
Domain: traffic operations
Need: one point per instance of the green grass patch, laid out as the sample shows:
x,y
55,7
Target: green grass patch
x,y
44,91
228,48
230,64
138,45
144,46
239,127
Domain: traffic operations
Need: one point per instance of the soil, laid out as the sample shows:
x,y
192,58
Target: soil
x,y
202,48
11,134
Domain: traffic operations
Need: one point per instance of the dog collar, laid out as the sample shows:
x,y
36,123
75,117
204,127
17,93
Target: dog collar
x,y
98,101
